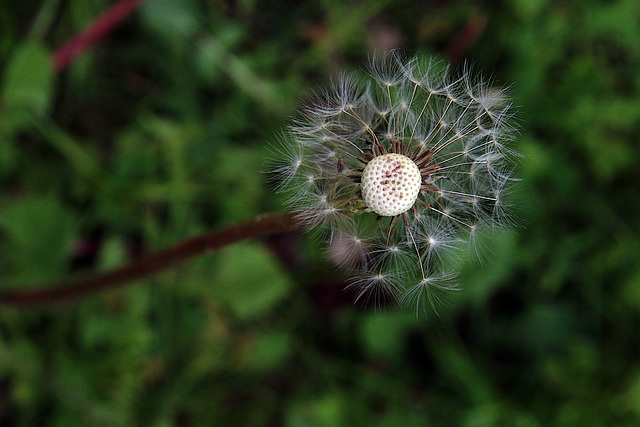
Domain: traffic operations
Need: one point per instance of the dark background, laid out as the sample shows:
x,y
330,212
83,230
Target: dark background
x,y
161,131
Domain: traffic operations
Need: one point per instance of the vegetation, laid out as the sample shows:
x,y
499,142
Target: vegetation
x,y
159,132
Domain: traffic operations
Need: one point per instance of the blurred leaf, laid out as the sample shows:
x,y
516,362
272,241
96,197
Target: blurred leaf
x,y
26,90
211,53
138,156
38,237
481,279
631,396
167,192
241,71
499,413
112,253
268,350
544,328
384,333
249,280
43,20
326,411
27,80
8,152
171,18
237,181
630,292
467,373
528,9
75,153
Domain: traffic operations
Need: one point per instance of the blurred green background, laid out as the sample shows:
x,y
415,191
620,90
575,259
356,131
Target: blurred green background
x,y
160,132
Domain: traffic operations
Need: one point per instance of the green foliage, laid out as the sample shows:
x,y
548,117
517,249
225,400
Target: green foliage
x,y
38,234
25,91
27,83
160,132
249,280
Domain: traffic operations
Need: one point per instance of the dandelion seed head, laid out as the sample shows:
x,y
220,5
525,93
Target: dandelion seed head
x,y
390,184
402,166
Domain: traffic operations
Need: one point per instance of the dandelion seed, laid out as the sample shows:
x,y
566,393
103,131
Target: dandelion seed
x,y
401,167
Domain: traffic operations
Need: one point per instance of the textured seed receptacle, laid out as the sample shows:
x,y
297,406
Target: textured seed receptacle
x,y
390,184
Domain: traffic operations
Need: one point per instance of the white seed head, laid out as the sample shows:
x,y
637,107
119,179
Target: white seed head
x,y
445,166
390,184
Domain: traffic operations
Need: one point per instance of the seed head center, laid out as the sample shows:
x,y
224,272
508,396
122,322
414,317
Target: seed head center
x,y
390,184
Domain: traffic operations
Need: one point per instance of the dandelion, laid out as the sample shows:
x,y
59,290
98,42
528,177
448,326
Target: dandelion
x,y
400,168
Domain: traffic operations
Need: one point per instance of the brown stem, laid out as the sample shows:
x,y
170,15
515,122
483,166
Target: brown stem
x,y
97,31
260,226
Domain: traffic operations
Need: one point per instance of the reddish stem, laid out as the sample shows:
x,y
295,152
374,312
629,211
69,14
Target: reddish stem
x,y
93,34
260,226
466,38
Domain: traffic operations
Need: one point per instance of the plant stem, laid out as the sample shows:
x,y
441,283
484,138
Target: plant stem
x,y
94,33
260,226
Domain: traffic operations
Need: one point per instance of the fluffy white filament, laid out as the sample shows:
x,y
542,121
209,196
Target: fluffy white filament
x,y
453,132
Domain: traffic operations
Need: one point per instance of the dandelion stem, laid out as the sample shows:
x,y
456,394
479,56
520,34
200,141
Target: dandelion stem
x,y
260,226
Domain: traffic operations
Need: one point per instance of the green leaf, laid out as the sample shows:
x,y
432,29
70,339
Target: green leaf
x,y
249,280
26,90
384,333
28,80
268,351
481,280
38,234
112,254
171,18
631,396
236,175
325,411
8,152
